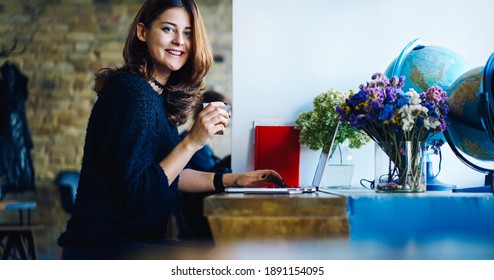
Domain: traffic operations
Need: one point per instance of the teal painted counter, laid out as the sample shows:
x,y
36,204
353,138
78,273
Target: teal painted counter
x,y
417,216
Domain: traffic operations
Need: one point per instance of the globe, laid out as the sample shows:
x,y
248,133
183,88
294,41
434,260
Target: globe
x,y
467,120
426,66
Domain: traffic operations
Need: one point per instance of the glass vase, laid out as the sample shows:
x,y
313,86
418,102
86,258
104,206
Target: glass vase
x,y
338,172
400,167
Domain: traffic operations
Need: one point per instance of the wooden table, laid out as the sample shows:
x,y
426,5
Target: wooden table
x,y
276,217
20,241
21,206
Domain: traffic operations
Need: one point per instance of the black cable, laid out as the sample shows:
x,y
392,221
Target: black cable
x,y
371,184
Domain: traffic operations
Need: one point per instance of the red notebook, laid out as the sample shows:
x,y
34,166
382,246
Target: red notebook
x,y
278,148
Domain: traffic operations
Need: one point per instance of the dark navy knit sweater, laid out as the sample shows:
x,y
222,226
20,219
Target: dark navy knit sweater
x,y
123,193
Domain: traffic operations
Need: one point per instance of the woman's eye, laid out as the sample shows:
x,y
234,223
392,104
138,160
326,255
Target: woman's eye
x,y
188,34
168,29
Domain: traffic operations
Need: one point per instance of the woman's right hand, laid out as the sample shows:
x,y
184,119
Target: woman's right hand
x,y
211,120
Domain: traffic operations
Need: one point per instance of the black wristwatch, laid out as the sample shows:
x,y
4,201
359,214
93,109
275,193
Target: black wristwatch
x,y
218,178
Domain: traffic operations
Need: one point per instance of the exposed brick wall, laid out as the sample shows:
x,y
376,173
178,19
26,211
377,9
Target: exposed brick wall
x,y
66,42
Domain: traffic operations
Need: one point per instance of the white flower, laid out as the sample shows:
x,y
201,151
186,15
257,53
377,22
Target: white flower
x,y
431,123
414,97
407,119
410,112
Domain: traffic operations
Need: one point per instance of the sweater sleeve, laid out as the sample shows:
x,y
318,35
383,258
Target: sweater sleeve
x,y
135,146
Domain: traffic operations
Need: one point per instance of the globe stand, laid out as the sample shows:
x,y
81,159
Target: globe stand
x,y
489,178
488,187
433,184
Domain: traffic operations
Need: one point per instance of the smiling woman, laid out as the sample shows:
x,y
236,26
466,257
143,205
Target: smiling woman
x,y
134,161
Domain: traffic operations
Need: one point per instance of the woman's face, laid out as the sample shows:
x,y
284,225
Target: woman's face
x,y
168,40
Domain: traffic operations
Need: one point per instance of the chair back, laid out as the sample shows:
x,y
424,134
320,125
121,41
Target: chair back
x,y
67,182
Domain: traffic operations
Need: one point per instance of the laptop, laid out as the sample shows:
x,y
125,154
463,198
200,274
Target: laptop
x,y
316,181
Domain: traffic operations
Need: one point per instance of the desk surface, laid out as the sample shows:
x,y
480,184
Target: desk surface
x,y
21,206
275,217
275,204
17,205
360,192
418,216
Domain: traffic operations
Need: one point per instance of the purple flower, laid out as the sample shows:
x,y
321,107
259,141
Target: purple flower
x,y
378,108
391,95
394,81
401,82
419,121
357,98
443,108
435,94
387,113
376,76
401,100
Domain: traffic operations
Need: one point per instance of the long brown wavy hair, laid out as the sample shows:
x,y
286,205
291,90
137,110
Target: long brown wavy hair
x,y
184,85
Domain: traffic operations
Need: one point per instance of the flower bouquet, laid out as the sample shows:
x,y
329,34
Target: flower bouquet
x,y
400,123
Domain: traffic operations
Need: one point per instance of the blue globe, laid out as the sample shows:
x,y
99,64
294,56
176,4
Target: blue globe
x,y
426,66
465,126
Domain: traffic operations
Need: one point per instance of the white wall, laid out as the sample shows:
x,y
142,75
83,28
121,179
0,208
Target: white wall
x,y
285,52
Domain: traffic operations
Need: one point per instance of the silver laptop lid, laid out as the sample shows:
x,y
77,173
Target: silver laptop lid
x,y
323,158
